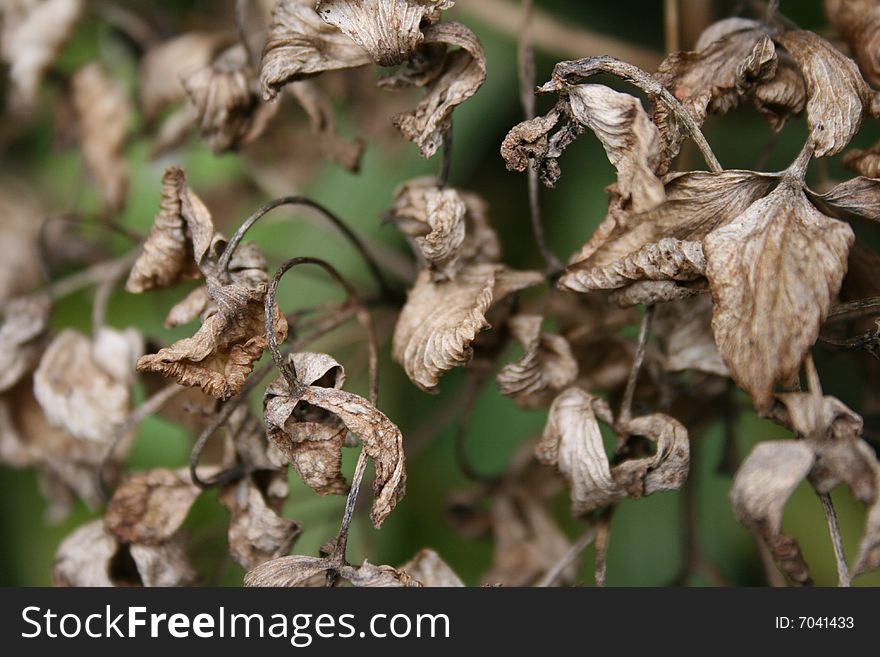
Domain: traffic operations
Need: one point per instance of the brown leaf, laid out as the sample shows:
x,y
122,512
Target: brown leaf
x,y
663,243
77,393
194,305
858,198
310,439
33,34
572,442
546,367
760,490
774,272
652,293
149,507
21,337
858,22
179,240
837,94
91,556
257,533
684,330
298,571
103,115
868,557
784,95
389,30
226,96
301,45
440,320
221,355
166,65
864,161
427,568
464,72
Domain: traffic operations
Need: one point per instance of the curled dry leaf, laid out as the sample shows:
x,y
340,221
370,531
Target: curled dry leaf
x,y
21,337
864,161
310,438
837,94
221,355
546,367
301,45
103,115
429,569
684,330
226,96
572,442
857,198
389,30
773,272
77,393
318,454
179,240
462,75
319,109
440,320
299,571
760,490
91,556
257,533
858,22
33,34
149,507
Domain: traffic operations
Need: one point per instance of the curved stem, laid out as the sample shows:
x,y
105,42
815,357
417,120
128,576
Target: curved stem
x,y
625,414
348,233
567,73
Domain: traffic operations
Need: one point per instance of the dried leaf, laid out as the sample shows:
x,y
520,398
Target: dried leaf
x,y
301,45
179,240
21,337
858,198
33,34
163,565
302,571
319,109
858,22
221,355
427,568
546,367
77,393
103,114
440,320
864,161
868,557
257,533
760,490
774,272
572,442
783,96
194,305
684,330
652,293
149,507
389,30
464,72
837,94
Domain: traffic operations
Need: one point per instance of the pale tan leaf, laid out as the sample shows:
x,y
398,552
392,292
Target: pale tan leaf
x,y
369,576
389,30
103,115
191,307
868,557
652,293
163,565
286,572
301,45
858,22
684,329
546,367
21,337
762,486
837,94
858,198
429,569
440,320
83,558
774,272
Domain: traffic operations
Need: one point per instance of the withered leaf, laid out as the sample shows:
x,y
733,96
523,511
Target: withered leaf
x,y
179,240
464,72
440,320
389,30
857,198
298,571
684,329
868,557
310,439
24,326
546,367
864,161
149,507
301,45
103,115
319,109
77,393
257,533
193,305
837,94
33,34
91,556
429,569
315,447
773,272
760,490
784,95
858,22
221,355
572,442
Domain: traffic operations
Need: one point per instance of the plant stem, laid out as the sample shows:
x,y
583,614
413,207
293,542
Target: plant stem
x,y
843,577
625,414
586,539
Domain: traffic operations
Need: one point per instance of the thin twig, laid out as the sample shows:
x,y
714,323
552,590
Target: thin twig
x,y
672,25
843,577
446,159
854,309
586,539
90,276
603,538
625,414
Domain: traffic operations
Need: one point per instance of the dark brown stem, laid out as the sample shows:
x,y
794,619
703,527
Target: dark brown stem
x,y
567,73
854,309
446,159
348,233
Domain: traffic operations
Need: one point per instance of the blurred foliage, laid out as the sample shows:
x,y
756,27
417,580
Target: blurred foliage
x,y
647,545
